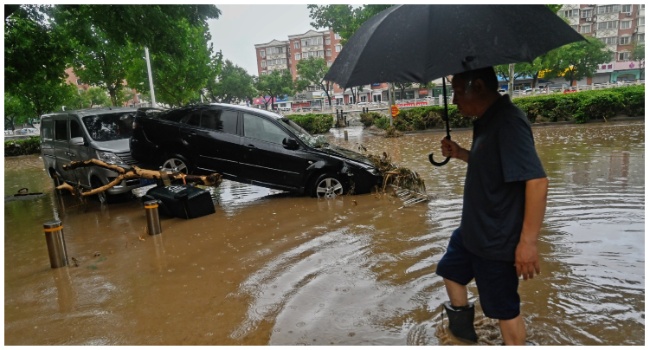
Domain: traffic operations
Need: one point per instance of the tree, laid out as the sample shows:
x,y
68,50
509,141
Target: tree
x,y
523,70
402,88
180,78
233,84
35,61
579,59
311,72
98,59
16,111
97,97
153,26
103,56
638,54
277,83
343,19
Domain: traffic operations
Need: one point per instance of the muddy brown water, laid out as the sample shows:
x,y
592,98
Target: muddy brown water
x,y
271,269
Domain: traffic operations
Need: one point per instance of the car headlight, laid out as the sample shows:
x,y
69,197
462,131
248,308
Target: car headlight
x,y
109,157
373,171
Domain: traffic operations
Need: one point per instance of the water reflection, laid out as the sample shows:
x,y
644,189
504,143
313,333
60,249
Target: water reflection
x,y
270,268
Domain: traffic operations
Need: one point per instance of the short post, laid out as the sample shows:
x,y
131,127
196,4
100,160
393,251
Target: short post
x,y
153,219
345,135
55,243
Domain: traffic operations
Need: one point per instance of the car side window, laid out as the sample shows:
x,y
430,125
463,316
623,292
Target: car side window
x,y
46,130
220,120
75,129
195,118
61,130
259,128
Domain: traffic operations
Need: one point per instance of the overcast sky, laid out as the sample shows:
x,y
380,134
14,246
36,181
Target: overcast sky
x,y
240,27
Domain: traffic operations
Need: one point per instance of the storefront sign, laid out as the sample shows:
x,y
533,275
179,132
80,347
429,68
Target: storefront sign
x,y
413,104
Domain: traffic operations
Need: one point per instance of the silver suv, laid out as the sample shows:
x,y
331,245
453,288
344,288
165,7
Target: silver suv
x,y
100,133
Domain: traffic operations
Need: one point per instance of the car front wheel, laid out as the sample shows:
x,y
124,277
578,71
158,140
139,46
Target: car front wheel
x,y
328,186
176,165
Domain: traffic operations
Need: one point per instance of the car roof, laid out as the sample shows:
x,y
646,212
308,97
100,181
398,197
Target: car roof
x,y
248,109
93,111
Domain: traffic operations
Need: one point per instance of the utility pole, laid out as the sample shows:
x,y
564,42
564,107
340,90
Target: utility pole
x,y
511,83
153,94
391,102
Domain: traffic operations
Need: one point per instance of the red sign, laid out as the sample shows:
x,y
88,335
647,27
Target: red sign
x,y
413,104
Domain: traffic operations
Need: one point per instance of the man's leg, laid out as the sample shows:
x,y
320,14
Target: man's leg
x,y
457,293
460,312
513,331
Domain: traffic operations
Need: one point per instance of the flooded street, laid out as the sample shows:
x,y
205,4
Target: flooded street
x,y
271,269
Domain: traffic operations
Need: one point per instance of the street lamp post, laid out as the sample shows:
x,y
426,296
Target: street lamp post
x,y
153,94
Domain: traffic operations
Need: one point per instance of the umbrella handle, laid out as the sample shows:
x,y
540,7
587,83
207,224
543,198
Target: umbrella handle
x,y
439,163
446,118
436,163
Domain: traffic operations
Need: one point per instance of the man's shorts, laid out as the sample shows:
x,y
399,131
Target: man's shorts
x,y
497,281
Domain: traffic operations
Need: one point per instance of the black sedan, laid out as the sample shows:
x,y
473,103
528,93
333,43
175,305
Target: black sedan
x,y
252,146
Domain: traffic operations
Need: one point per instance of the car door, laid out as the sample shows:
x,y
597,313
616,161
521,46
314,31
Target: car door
x,y
211,134
61,147
79,152
265,161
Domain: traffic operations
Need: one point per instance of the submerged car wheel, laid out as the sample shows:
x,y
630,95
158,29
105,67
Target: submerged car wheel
x,y
56,182
102,197
176,165
328,186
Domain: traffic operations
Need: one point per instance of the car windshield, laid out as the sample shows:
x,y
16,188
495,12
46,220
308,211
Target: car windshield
x,y
303,135
109,127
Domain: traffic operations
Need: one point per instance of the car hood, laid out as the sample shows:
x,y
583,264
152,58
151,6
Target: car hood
x,y
348,154
115,146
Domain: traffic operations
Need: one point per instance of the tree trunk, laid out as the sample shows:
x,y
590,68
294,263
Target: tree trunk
x,y
134,173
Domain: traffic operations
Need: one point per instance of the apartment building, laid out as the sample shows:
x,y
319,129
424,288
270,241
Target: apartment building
x,y
285,55
620,27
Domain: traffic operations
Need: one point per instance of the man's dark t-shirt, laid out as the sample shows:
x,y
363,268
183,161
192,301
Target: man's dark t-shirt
x,y
502,158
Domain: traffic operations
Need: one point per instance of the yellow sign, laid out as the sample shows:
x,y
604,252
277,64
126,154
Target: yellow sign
x,y
394,110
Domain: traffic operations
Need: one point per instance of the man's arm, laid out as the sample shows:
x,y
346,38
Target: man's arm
x,y
526,257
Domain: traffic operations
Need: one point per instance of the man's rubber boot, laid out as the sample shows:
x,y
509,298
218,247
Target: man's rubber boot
x,y
461,321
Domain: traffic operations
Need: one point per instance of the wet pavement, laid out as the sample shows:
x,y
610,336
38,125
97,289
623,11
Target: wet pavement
x,y
272,269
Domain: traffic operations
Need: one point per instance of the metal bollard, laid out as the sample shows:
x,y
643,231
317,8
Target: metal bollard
x,y
153,220
345,135
55,243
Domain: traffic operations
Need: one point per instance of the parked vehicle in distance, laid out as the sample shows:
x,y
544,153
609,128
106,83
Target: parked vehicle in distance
x,y
100,133
252,146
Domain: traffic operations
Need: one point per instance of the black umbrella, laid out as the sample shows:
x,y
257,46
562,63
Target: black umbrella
x,y
420,43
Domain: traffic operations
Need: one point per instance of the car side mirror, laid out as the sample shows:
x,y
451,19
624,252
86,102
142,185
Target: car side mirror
x,y
77,141
290,143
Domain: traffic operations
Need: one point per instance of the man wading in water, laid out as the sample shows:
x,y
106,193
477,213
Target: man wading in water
x,y
503,207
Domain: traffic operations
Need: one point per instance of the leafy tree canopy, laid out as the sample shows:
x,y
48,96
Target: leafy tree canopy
x,y
311,72
234,84
343,19
153,26
578,60
277,83
35,60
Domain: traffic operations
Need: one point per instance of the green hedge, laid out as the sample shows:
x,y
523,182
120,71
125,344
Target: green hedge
x,y
576,107
586,105
313,123
19,147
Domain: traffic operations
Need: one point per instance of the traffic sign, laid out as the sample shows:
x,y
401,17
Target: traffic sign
x,y
394,110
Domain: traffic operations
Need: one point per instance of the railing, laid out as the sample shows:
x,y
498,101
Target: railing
x,y
439,101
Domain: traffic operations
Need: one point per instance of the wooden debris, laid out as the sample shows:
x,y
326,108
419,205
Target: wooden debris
x,y
405,184
134,172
